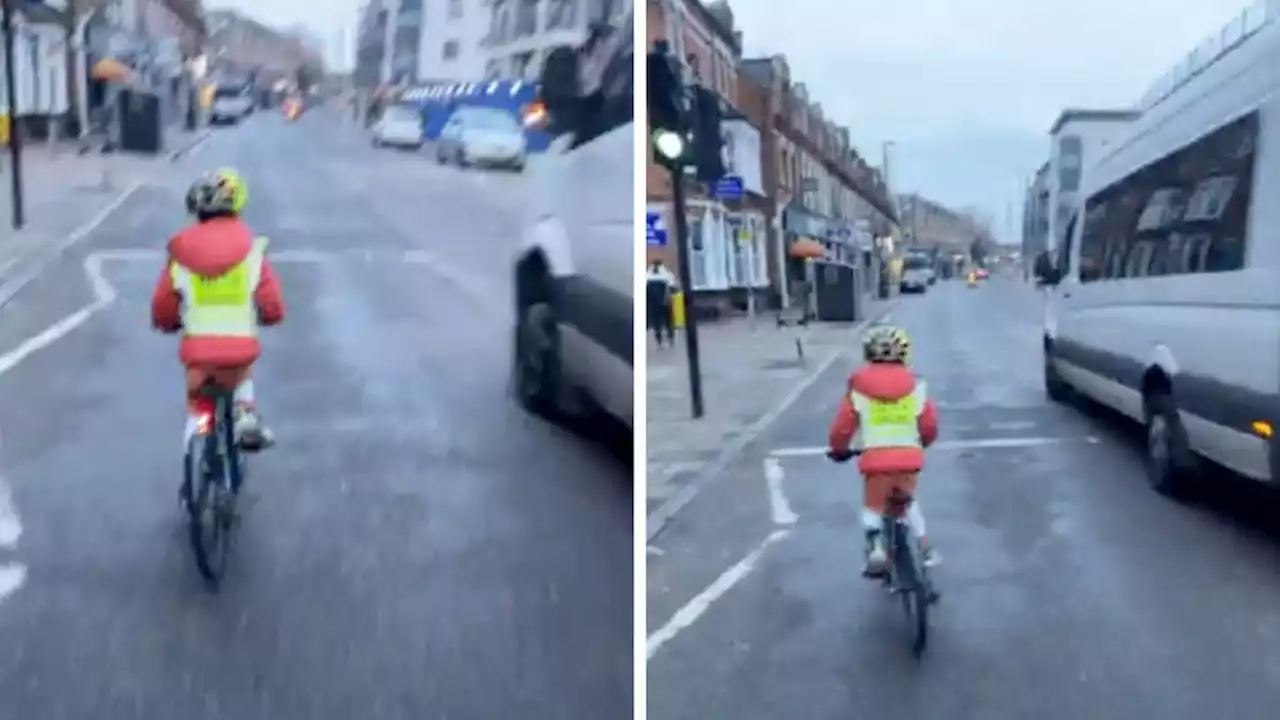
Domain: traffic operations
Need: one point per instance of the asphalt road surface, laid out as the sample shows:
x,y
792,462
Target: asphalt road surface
x,y
414,547
1071,590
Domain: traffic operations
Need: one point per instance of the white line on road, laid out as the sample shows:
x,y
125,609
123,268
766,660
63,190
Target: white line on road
x,y
976,444
778,505
692,610
12,577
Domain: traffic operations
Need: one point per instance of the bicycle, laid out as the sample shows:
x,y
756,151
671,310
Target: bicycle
x,y
906,574
213,474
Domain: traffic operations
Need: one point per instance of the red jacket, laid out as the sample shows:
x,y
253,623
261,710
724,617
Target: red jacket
x,y
210,249
883,381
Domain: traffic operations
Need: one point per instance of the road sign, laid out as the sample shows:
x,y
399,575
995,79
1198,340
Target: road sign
x,y
655,235
728,187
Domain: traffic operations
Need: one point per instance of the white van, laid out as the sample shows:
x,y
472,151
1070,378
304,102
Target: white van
x,y
574,275
1165,299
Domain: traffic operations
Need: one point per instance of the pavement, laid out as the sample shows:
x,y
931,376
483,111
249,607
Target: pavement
x,y
414,547
65,192
1070,589
750,368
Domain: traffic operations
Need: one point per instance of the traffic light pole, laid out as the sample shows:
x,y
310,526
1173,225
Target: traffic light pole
x,y
686,285
15,137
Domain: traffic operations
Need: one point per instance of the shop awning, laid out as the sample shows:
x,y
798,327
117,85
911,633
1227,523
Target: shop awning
x,y
111,70
806,247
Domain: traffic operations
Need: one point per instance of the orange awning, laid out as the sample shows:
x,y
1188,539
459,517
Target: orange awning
x,y
110,70
807,248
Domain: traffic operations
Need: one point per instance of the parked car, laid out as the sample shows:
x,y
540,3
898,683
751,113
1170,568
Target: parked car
x,y
917,274
574,305
400,126
231,104
482,136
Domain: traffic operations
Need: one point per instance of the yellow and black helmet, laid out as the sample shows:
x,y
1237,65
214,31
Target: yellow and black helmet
x,y
219,193
886,344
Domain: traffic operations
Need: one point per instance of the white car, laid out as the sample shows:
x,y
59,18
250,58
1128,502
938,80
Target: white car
x,y
1163,302
917,274
482,136
574,274
400,126
230,106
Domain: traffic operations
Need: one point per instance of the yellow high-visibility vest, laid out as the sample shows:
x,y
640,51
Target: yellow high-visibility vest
x,y
221,306
890,423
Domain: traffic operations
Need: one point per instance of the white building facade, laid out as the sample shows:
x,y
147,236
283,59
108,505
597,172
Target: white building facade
x,y
453,40
521,33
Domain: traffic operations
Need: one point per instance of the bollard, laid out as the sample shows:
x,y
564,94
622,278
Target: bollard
x,y
677,310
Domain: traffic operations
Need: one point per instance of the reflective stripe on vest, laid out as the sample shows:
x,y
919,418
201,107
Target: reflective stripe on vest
x,y
890,423
221,306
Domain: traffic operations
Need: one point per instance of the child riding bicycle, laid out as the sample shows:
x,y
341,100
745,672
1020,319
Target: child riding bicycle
x,y
889,409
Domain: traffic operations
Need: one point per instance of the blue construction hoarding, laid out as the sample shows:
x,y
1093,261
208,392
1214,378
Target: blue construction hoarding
x,y
438,100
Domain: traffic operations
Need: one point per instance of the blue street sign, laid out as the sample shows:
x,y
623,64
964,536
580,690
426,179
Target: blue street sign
x,y
654,234
728,187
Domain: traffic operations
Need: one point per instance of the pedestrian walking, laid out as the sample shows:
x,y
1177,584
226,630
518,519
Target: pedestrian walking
x,y
660,286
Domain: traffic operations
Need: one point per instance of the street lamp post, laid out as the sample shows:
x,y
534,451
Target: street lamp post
x,y
15,137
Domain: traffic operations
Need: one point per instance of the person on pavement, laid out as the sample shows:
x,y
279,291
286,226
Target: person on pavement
x,y
217,288
659,286
890,408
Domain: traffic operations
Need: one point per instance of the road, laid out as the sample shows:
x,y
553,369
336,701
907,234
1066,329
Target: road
x,y
415,546
1071,590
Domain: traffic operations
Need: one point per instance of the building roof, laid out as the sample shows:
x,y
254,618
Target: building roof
x,y
1070,114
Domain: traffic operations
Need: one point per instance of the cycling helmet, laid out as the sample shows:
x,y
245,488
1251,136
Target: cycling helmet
x,y
886,344
217,194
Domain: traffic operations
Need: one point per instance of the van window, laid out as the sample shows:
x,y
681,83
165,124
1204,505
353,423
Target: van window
x,y
1185,213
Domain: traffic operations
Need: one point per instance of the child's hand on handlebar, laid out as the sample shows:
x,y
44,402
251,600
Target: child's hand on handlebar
x,y
841,456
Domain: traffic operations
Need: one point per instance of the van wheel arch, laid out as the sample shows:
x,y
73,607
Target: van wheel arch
x,y
1054,386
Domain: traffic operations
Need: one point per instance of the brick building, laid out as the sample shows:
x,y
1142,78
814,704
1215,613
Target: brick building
x,y
728,239
811,183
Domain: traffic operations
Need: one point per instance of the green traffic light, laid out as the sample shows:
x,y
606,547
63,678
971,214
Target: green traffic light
x,y
668,144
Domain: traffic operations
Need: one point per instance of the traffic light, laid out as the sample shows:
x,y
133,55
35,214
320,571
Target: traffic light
x,y
707,142
668,124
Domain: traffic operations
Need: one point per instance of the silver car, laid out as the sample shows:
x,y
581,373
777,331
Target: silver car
x,y
482,136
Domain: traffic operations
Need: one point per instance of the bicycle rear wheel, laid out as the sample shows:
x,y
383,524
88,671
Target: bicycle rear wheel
x,y
913,588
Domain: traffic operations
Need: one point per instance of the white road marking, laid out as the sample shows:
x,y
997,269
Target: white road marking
x,y
975,444
779,508
692,610
12,577
654,551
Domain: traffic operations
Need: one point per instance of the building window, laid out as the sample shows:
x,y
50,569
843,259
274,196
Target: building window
x,y
455,9
450,50
526,18
1185,213
1070,163
562,14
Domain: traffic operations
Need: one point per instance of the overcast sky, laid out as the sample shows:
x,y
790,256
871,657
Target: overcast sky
x,y
967,89
333,21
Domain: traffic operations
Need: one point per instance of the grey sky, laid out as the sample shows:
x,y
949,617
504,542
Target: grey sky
x,y
328,19
967,89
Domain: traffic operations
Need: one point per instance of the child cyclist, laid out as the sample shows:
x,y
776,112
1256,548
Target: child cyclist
x,y
889,409
217,287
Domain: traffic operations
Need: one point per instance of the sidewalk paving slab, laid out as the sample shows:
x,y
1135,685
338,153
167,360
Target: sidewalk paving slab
x,y
748,371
